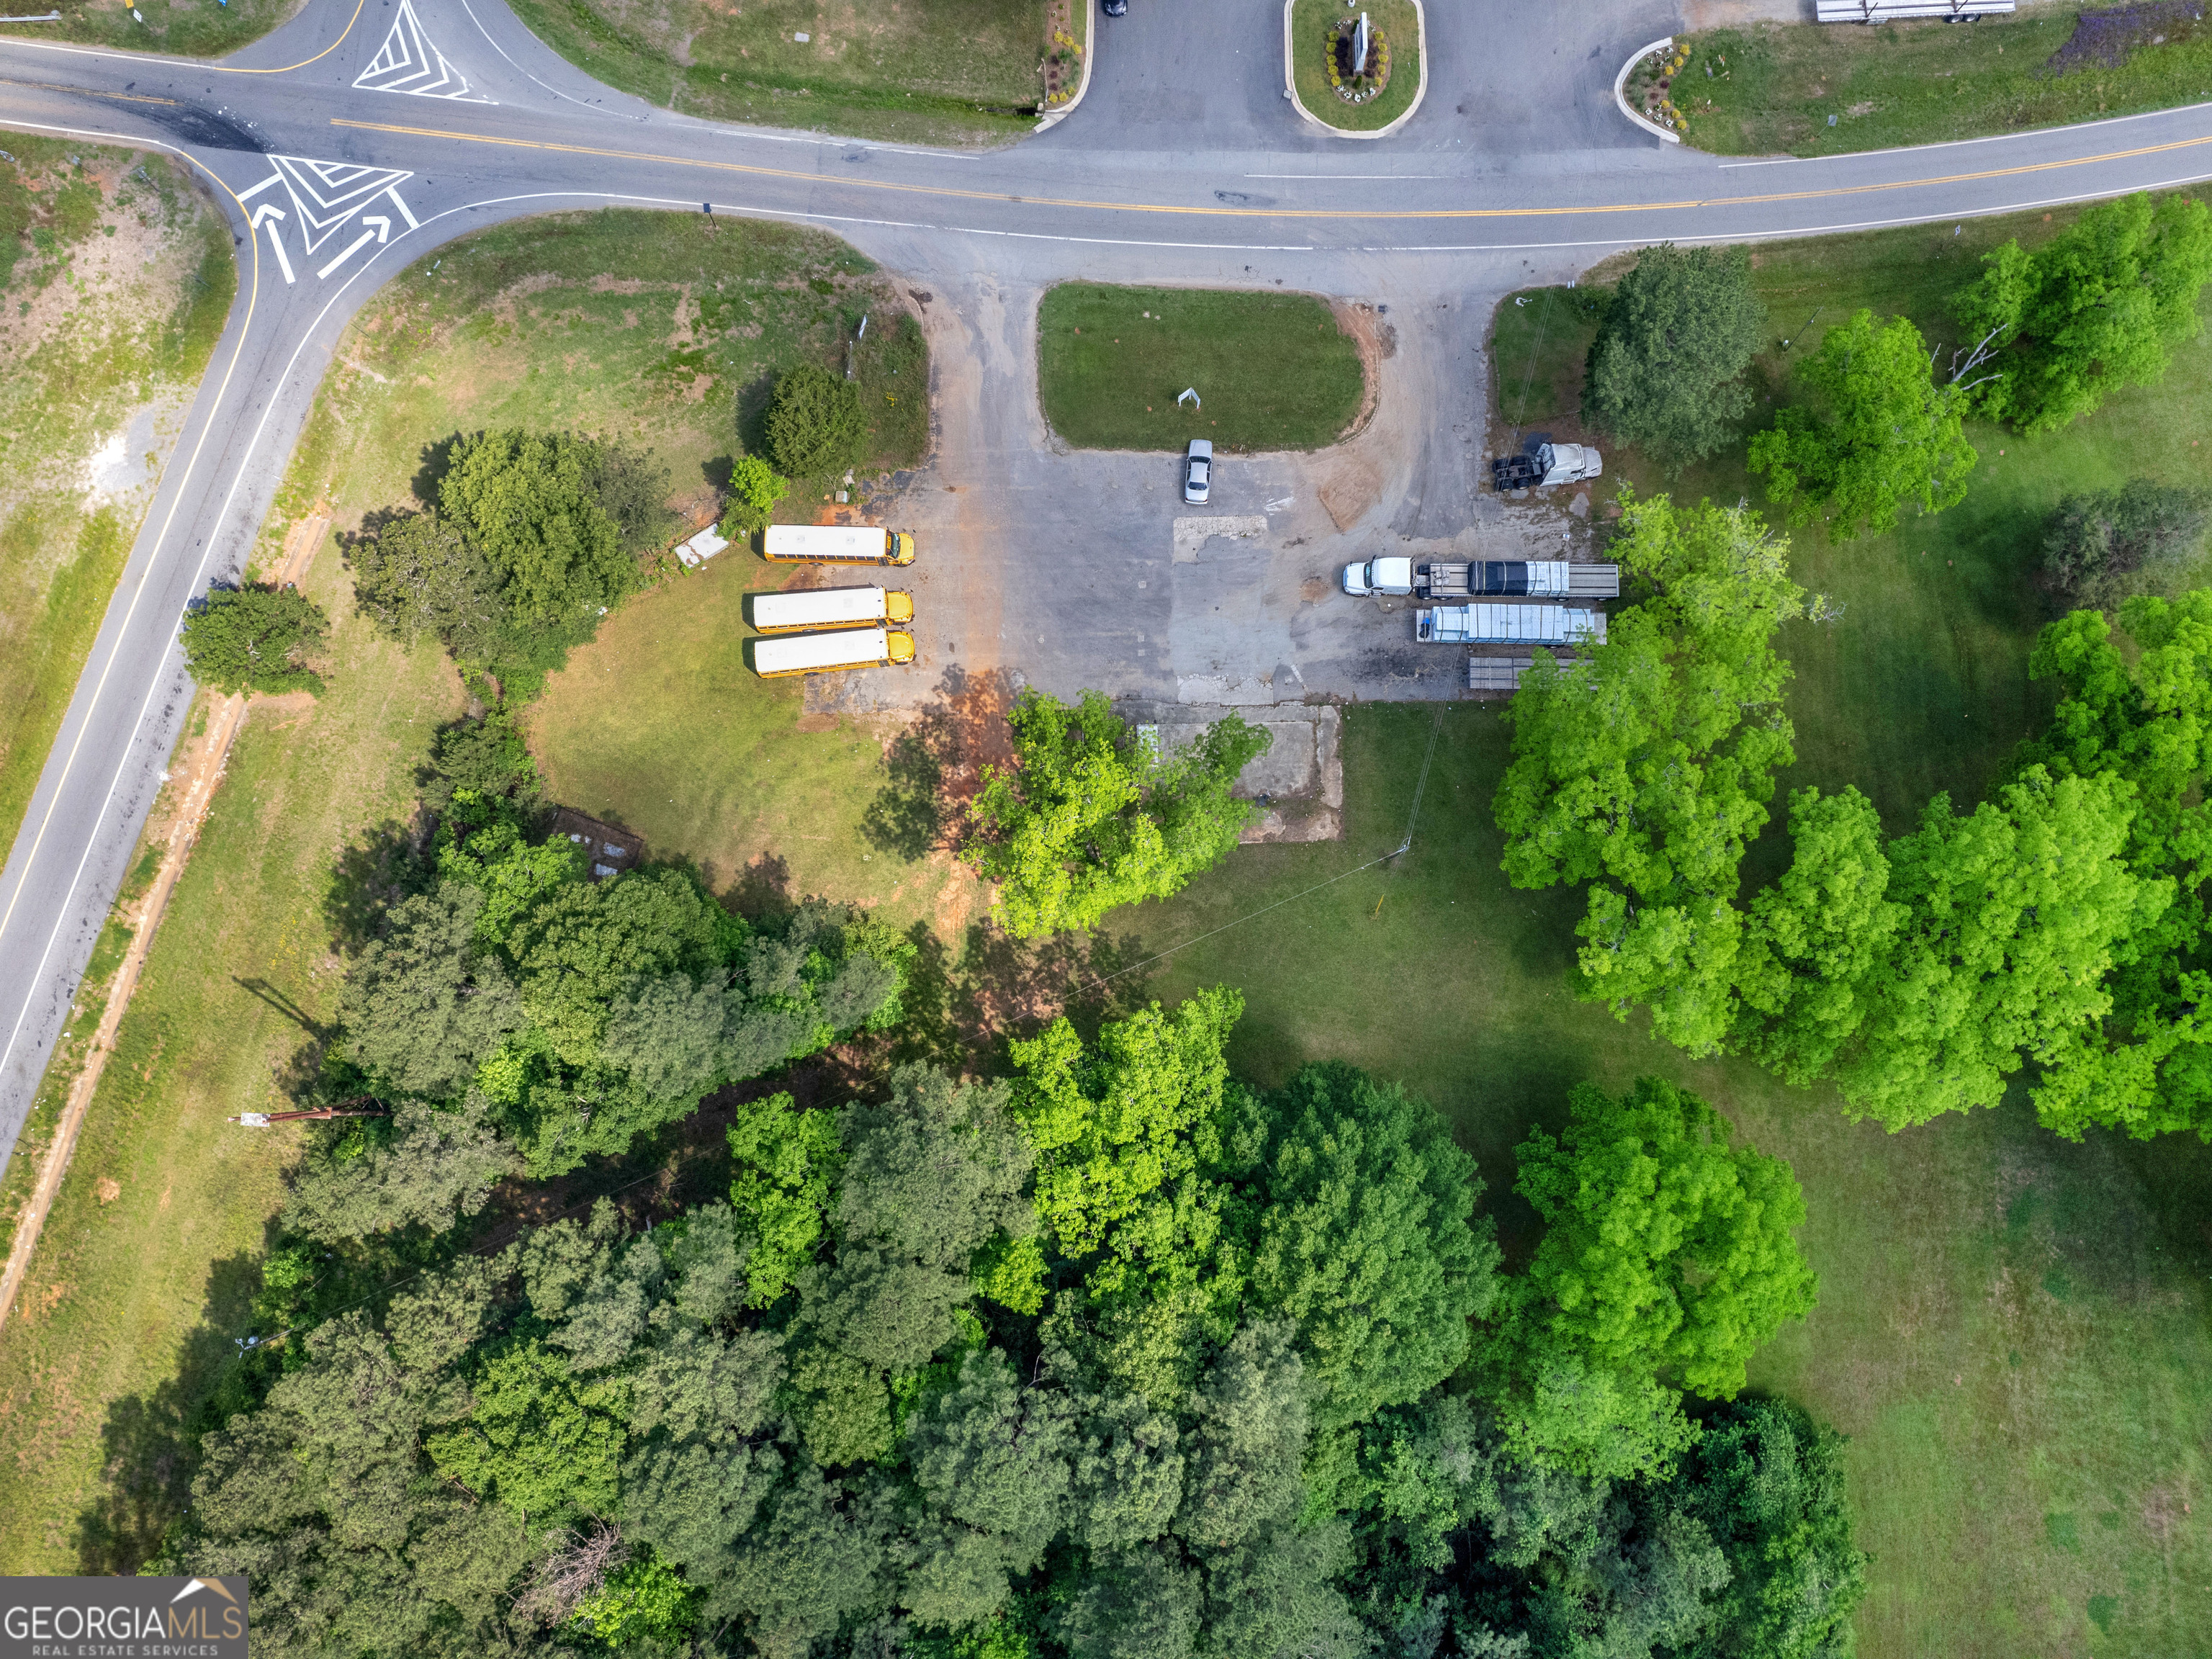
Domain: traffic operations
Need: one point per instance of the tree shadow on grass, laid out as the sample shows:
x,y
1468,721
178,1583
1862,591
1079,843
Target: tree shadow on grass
x,y
936,766
372,874
151,1441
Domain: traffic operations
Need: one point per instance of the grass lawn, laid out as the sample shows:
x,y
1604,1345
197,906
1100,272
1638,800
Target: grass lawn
x,y
192,28
1273,371
2015,1332
1814,90
949,72
1313,24
115,277
659,725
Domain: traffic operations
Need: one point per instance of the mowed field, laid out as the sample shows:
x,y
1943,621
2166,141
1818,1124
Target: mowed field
x,y
1814,90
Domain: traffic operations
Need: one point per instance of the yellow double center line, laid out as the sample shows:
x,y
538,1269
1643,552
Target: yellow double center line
x,y
804,177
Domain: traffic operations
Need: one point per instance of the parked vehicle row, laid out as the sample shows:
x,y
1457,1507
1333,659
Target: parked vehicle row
x,y
824,630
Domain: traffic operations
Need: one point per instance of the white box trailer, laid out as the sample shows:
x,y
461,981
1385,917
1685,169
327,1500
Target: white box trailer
x,y
837,544
826,653
1507,624
830,607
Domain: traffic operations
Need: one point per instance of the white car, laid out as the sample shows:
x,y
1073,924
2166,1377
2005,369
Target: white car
x,y
1197,472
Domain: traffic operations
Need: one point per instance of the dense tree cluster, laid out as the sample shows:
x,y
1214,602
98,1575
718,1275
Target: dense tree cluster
x,y
1666,371
520,1017
1113,1359
525,539
1645,769
2103,546
2054,923
1090,816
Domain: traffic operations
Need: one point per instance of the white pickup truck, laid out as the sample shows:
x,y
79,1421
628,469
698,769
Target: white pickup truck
x,y
1545,465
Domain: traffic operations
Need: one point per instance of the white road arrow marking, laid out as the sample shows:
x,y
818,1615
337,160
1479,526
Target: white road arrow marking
x,y
383,223
277,241
263,214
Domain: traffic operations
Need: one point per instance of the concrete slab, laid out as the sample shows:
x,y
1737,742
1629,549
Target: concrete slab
x,y
1298,781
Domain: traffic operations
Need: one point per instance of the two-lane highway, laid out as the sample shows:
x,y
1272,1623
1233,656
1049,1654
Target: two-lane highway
x,y
365,133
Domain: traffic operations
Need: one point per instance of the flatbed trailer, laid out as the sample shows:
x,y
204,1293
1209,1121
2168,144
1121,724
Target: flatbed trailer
x,y
1533,579
1507,624
1503,673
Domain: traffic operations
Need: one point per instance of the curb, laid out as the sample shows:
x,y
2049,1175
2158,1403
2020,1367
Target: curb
x,y
1621,80
1046,123
1420,91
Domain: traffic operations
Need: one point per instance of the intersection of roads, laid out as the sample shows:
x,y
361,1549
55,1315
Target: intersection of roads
x,y
364,133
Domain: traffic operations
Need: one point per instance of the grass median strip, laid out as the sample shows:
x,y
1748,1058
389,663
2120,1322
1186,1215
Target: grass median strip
x,y
1814,89
1272,371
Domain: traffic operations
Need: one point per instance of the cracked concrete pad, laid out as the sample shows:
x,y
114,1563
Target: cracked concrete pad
x,y
1191,535
1301,775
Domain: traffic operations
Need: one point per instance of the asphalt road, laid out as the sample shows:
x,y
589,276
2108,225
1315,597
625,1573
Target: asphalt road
x,y
358,138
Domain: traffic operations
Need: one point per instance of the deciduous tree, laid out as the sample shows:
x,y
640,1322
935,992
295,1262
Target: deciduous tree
x,y
1666,1248
1644,768
1881,432
529,500
2100,546
1666,372
1088,817
255,638
2098,308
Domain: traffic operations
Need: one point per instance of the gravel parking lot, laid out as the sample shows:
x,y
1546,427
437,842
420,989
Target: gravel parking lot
x,y
1084,569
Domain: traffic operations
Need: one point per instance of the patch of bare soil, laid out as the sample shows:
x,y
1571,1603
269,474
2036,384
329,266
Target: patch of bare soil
x,y
1377,341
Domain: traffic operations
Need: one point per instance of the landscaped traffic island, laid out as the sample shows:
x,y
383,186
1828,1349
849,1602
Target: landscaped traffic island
x,y
1264,371
1358,83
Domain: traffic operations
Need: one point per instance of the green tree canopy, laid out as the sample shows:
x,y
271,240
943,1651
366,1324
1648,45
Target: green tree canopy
x,y
755,489
255,638
1666,372
1666,1248
2013,918
1766,1483
815,426
1645,768
531,502
417,573
2098,308
1880,434
2100,546
1089,818
1366,1240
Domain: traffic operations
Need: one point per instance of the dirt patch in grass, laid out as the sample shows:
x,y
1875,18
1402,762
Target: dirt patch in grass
x,y
1807,89
115,277
949,72
1272,370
